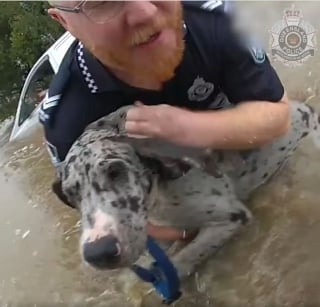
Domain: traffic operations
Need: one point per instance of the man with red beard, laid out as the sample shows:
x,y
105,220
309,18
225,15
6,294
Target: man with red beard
x,y
187,74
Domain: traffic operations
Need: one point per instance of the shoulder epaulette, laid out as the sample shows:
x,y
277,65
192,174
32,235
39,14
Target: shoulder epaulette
x,y
57,85
209,5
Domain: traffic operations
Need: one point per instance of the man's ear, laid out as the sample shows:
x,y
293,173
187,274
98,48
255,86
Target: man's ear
x,y
56,15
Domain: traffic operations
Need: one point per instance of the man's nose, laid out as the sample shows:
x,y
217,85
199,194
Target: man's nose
x,y
102,253
140,12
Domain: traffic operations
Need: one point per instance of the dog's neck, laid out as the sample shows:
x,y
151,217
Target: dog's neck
x,y
153,192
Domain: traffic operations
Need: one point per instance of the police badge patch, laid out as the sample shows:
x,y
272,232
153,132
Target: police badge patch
x,y
200,90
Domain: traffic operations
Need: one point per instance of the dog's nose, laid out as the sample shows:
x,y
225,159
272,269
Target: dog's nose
x,y
102,253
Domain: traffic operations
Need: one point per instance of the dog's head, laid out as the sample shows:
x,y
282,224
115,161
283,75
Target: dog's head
x,y
109,177
108,183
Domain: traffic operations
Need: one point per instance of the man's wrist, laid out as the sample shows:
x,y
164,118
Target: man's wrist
x,y
187,132
192,131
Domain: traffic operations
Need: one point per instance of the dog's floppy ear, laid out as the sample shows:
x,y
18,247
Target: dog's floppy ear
x,y
56,186
113,122
166,168
57,189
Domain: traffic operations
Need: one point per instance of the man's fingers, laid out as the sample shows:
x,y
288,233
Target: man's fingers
x,y
138,103
142,112
141,127
138,113
134,114
190,235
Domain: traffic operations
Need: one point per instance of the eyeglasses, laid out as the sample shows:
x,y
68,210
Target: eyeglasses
x,y
96,11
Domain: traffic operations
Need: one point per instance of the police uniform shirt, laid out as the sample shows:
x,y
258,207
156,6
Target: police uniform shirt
x,y
218,69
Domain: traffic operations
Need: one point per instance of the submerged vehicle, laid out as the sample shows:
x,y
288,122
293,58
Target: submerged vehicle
x,y
36,85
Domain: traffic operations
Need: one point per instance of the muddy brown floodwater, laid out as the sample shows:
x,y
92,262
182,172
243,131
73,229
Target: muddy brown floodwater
x,y
274,262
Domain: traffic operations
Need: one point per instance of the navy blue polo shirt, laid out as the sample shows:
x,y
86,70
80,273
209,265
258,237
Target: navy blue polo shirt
x,y
217,70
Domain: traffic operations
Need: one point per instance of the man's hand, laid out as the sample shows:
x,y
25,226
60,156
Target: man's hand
x,y
158,121
169,233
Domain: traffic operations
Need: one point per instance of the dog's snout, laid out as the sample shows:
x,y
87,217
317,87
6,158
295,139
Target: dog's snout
x,y
103,252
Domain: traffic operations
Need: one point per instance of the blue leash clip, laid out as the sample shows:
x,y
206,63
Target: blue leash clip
x,y
162,274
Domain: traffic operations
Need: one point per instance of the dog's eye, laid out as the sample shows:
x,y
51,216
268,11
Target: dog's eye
x,y
114,170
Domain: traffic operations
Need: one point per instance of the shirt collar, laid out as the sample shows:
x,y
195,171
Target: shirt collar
x,y
96,76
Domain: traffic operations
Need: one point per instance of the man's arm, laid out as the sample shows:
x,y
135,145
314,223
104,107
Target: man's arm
x,y
249,124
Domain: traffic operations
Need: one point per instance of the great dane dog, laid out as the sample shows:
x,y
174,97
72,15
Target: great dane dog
x,y
118,183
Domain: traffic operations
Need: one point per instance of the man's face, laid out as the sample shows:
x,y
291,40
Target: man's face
x,y
144,39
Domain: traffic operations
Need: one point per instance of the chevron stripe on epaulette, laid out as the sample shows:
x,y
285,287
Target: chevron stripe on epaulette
x,y
209,5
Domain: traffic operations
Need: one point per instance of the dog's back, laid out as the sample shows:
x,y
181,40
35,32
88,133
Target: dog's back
x,y
250,169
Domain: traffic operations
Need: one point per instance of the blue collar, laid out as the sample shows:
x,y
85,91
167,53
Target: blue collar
x,y
162,274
